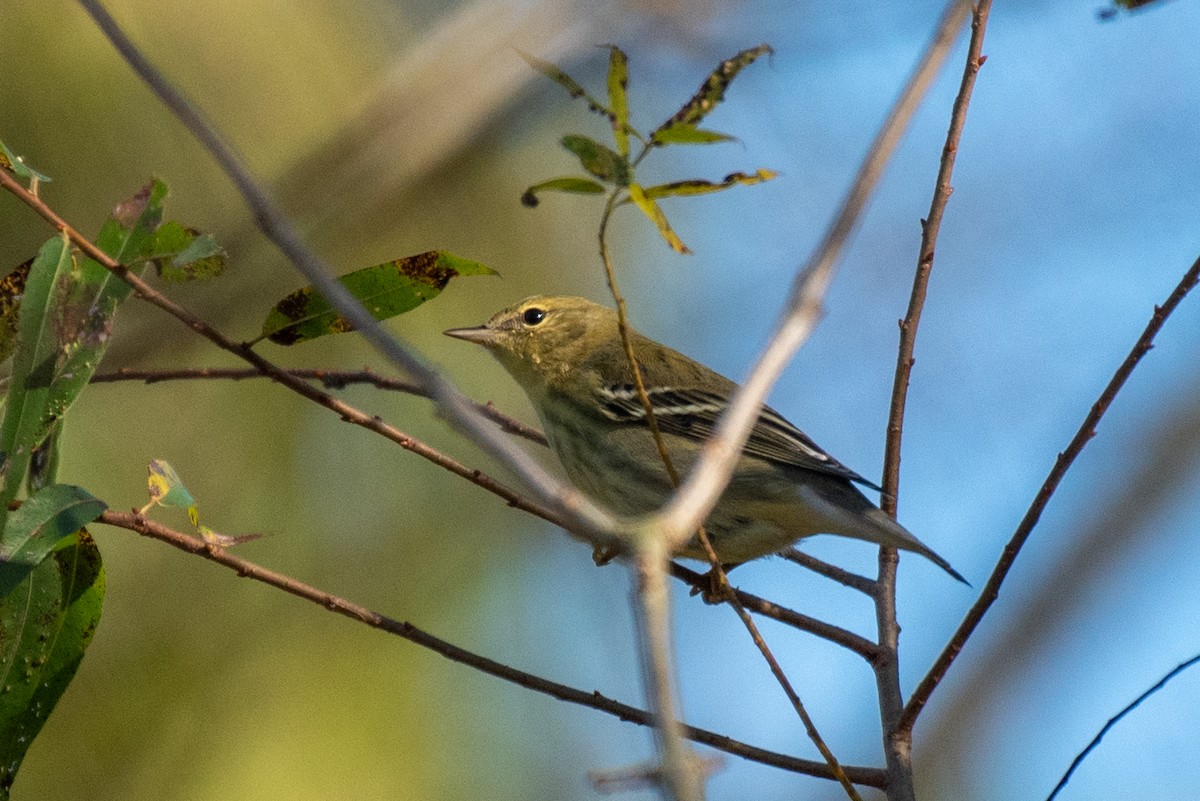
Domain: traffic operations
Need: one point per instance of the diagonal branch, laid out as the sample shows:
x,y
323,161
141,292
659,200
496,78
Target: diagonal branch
x,y
872,777
330,379
1115,719
582,514
1087,430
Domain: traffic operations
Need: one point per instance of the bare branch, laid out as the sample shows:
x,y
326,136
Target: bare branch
x,y
1158,685
840,575
897,740
1087,430
330,379
871,777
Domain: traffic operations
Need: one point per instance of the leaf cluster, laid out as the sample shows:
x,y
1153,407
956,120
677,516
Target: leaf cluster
x,y
614,170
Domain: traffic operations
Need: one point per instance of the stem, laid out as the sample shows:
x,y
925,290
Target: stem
x,y
897,740
681,773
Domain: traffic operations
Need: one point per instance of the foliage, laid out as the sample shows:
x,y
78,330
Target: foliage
x,y
616,168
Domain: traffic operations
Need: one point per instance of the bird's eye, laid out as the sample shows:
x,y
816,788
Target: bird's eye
x,y
533,316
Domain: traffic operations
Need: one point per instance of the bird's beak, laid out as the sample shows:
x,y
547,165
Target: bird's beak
x,y
480,334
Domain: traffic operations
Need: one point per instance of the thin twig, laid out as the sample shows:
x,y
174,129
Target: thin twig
x,y
695,499
570,504
1158,685
871,777
330,379
1087,430
843,637
854,581
810,727
897,740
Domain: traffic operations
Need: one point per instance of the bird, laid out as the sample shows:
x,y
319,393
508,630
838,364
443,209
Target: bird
x,y
567,355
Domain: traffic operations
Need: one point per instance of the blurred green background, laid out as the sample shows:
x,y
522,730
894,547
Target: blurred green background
x,y
390,127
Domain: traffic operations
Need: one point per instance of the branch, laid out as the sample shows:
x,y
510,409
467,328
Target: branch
x,y
568,502
1086,431
930,228
835,634
330,379
897,740
840,575
871,777
1115,719
687,509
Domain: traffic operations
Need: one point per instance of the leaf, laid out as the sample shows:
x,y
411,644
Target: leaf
x,y
652,211
87,309
185,254
12,287
17,166
386,290
567,82
682,134
579,186
599,160
712,91
43,466
27,413
166,487
46,623
698,187
40,523
618,98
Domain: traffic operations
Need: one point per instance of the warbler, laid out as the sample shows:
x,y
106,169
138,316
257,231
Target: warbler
x,y
566,353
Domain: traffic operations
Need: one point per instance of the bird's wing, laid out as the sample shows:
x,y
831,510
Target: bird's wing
x,y
693,413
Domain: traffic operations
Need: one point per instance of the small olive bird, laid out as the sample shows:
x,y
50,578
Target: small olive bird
x,y
566,354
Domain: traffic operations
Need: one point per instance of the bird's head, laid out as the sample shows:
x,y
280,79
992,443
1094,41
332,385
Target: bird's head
x,y
544,337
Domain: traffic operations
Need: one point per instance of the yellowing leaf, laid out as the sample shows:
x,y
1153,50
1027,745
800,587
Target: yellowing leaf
x,y
712,91
618,99
697,187
656,216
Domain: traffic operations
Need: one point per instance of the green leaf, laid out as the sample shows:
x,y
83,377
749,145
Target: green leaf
x,y
128,236
386,290
579,186
17,166
40,523
185,254
27,415
46,623
683,134
618,98
712,91
599,160
567,82
86,315
12,287
166,487
43,466
698,187
656,216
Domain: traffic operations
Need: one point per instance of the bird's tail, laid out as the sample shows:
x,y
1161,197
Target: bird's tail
x,y
894,535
